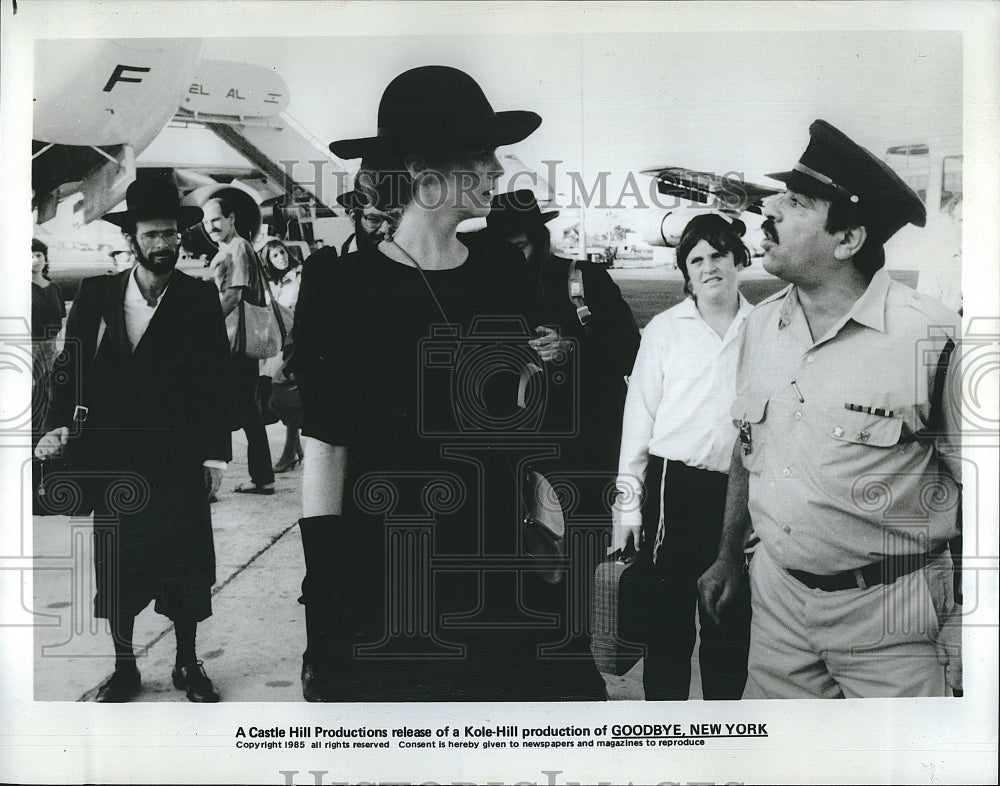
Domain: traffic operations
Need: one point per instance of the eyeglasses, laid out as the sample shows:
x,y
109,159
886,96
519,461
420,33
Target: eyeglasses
x,y
374,219
171,238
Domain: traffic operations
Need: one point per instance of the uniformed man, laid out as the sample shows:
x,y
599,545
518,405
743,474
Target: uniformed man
x,y
847,461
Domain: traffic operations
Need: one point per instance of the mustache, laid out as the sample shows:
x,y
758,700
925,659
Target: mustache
x,y
770,230
161,258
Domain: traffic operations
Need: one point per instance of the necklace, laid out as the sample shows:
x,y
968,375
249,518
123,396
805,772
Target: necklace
x,y
423,275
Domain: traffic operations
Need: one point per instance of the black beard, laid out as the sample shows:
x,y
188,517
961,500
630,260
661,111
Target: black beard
x,y
161,261
367,241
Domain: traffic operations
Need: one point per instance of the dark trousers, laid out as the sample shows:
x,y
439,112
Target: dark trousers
x,y
250,419
693,504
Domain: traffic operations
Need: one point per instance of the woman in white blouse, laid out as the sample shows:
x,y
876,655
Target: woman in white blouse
x,y
677,440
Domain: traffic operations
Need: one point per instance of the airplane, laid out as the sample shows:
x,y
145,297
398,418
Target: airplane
x,y
99,104
692,191
932,167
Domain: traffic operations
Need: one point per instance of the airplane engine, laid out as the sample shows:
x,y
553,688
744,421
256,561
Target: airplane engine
x,y
663,228
248,216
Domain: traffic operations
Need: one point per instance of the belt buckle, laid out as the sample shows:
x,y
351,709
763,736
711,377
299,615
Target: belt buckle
x,y
80,413
859,577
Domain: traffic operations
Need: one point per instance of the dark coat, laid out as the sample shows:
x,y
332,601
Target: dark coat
x,y
606,351
174,384
155,415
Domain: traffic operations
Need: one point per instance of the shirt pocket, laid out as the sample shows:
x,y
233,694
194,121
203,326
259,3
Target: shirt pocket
x,y
749,414
864,430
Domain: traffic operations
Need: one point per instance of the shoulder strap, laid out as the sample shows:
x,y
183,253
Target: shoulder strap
x,y
577,294
936,417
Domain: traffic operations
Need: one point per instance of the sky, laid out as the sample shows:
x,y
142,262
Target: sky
x,y
625,102
616,103
613,104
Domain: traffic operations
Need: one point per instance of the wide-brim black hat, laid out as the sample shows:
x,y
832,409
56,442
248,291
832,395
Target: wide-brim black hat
x,y
350,200
154,197
517,211
836,168
435,107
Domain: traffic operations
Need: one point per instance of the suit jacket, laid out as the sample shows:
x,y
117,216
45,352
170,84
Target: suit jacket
x,y
171,393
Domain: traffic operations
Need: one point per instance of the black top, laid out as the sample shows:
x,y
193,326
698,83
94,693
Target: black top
x,y
378,358
422,401
47,311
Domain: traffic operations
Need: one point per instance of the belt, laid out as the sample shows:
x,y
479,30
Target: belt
x,y
884,572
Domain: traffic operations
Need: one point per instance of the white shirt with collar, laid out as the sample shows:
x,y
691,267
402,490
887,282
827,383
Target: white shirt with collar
x,y
680,392
138,314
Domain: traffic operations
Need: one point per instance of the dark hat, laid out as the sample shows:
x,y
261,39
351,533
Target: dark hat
x,y
516,211
154,197
351,200
834,167
435,106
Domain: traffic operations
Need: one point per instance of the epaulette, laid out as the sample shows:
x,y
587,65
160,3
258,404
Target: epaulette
x,y
779,295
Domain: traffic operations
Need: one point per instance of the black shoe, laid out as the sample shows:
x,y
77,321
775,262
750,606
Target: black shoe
x,y
193,679
315,685
123,685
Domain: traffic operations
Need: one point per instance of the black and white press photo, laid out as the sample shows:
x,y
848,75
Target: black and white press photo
x,y
435,389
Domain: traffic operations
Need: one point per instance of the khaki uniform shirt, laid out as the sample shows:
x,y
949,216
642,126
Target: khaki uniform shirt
x,y
846,465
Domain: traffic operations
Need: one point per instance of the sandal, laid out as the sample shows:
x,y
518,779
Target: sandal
x,y
253,488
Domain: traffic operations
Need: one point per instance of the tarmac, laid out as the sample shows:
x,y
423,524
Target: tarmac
x,y
252,644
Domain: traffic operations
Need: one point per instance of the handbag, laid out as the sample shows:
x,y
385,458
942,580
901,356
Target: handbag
x,y
286,400
60,483
267,413
620,609
543,525
253,331
258,332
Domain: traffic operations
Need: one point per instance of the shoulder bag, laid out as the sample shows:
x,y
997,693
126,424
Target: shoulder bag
x,y
258,332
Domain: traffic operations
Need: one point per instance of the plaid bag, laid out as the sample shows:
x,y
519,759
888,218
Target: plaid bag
x,y
620,585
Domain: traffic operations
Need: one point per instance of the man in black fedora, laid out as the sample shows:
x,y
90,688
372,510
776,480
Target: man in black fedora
x,y
141,389
593,319
597,327
371,225
847,464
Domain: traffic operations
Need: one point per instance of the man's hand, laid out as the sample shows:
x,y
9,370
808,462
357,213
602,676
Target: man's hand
x,y
549,346
949,648
719,584
213,479
52,444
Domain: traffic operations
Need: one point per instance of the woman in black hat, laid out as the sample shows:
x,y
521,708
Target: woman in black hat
x,y
415,588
